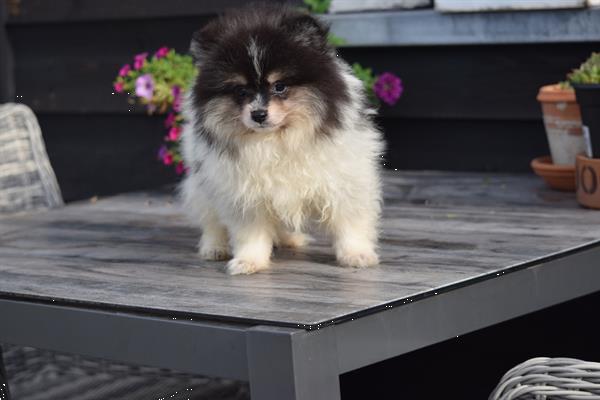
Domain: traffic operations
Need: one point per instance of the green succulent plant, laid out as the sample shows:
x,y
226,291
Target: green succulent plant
x,y
588,73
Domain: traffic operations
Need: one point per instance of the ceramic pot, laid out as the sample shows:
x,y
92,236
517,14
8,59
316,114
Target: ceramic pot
x,y
588,98
588,181
562,120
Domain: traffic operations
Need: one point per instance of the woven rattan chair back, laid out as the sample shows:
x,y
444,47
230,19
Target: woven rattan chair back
x,y
27,181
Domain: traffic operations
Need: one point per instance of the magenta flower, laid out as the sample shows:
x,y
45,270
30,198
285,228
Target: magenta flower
x,y
174,133
144,86
179,168
118,86
124,70
388,87
168,159
170,121
162,52
176,98
162,152
139,60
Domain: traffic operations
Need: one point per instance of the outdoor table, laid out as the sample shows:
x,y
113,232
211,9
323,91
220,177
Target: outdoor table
x,y
119,278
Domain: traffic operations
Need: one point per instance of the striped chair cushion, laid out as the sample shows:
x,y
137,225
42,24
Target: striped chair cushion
x,y
27,181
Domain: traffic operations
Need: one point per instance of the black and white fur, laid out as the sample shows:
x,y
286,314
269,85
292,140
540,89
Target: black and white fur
x,y
278,134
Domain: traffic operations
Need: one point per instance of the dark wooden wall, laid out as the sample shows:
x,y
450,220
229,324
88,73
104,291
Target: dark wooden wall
x,y
6,61
464,108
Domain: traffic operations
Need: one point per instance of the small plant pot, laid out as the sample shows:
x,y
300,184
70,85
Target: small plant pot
x,y
559,177
562,120
588,181
588,98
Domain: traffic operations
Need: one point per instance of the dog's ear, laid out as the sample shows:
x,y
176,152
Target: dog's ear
x,y
203,41
308,30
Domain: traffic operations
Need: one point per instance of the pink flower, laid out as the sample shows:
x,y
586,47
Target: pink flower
x,y
124,70
180,168
162,52
144,86
139,60
170,121
168,159
118,86
176,98
388,87
174,133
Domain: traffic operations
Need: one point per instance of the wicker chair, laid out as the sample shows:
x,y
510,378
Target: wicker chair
x,y
27,181
550,379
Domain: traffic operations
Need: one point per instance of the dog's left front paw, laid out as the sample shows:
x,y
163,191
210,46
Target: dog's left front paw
x,y
358,259
237,266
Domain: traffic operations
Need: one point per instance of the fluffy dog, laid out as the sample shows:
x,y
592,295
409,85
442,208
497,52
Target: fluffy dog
x,y
278,133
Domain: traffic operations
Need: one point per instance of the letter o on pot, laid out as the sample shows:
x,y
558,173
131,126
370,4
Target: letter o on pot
x,y
589,189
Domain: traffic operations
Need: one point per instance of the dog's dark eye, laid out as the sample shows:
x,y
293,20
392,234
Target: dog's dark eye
x,y
241,91
279,87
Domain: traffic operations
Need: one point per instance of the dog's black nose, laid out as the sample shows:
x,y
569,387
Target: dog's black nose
x,y
259,116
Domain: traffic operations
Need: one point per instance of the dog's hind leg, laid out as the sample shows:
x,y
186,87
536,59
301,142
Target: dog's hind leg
x,y
354,231
214,242
292,239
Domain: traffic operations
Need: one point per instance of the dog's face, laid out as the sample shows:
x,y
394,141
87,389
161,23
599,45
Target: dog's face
x,y
266,70
263,103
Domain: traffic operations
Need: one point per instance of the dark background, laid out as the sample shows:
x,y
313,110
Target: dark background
x,y
465,107
469,108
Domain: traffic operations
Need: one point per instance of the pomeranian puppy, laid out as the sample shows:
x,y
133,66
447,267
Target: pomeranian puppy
x,y
278,133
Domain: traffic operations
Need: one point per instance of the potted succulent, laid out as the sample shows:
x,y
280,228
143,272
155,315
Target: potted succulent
x,y
586,81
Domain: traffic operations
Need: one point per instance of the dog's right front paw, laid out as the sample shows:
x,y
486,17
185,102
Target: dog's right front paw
x,y
237,266
358,259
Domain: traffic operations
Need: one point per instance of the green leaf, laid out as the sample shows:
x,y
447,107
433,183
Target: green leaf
x,y
335,41
318,6
368,79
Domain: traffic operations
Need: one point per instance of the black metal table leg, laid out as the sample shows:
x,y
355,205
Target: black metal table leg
x,y
4,393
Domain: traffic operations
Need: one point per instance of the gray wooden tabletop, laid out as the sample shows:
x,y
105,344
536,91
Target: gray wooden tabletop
x,y
136,252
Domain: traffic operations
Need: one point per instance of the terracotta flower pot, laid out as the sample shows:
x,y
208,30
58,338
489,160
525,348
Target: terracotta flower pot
x,y
559,177
562,119
588,181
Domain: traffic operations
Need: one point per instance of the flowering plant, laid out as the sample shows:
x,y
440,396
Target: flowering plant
x,y
386,87
158,82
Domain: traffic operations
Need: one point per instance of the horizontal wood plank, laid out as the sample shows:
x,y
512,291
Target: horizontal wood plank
x,y
37,11
435,28
137,252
